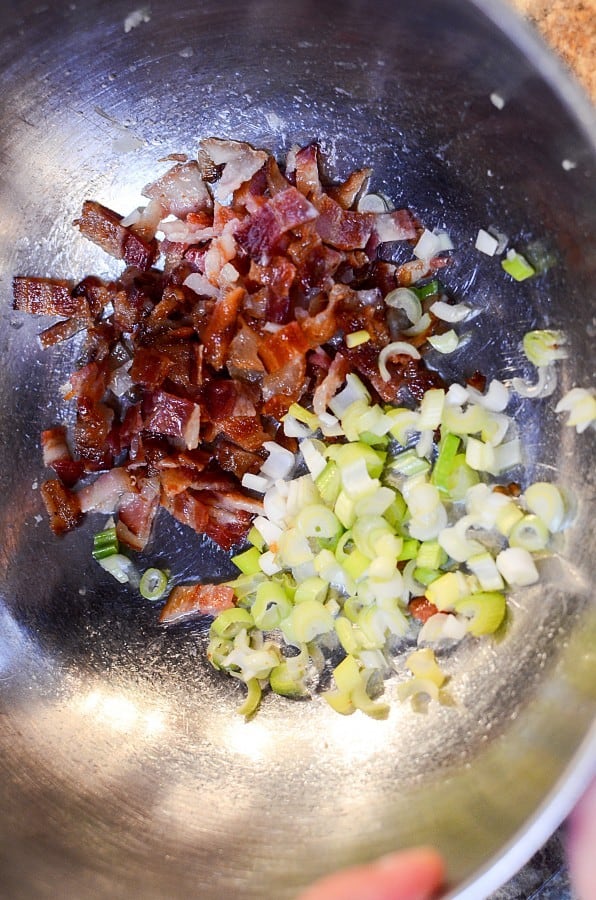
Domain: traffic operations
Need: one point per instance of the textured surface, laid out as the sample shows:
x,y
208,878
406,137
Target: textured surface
x,y
569,26
123,768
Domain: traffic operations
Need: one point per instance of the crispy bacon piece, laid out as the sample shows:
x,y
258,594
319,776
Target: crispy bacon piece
x,y
330,385
105,492
278,348
174,416
187,508
196,599
307,176
136,513
398,225
278,278
243,355
246,431
234,459
343,229
62,506
263,230
103,226
422,609
57,455
46,297
150,367
222,325
91,432
180,191
240,161
345,194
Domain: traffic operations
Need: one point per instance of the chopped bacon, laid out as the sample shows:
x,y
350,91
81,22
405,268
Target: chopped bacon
x,y
180,191
307,176
196,599
136,514
278,348
343,229
222,325
174,416
243,360
345,194
263,230
398,225
46,297
234,459
103,226
331,383
57,455
105,492
62,506
422,609
184,373
240,161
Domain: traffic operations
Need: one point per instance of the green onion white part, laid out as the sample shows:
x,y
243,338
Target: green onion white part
x,y
341,550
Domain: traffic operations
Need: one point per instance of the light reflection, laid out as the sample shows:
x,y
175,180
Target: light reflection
x,y
120,713
249,739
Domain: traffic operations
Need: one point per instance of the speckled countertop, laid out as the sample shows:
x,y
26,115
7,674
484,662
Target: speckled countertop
x,y
569,27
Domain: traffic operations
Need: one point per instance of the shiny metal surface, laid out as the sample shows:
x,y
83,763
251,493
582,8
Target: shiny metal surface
x,y
123,770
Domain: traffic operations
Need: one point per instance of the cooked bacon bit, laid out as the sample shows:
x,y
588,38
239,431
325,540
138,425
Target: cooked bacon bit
x,y
180,191
263,230
103,226
345,194
174,416
150,367
247,315
307,176
331,383
46,297
136,514
478,381
62,506
91,433
105,492
57,455
222,325
278,349
343,229
422,609
233,459
398,225
196,599
513,489
240,162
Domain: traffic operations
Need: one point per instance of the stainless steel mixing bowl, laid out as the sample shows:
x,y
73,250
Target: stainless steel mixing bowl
x,y
124,771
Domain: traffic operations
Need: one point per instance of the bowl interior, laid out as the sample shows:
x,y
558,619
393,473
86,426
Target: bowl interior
x,y
124,766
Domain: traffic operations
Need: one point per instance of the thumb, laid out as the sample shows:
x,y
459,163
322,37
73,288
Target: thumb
x,y
414,874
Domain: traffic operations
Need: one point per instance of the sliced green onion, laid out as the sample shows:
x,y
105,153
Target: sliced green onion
x,y
545,500
517,266
287,679
231,622
409,550
530,533
318,521
406,299
580,403
314,588
248,562
356,338
484,567
253,698
445,463
307,621
120,567
396,348
517,566
485,611
444,343
423,664
304,415
427,290
544,347
408,464
105,543
271,606
425,575
430,555
153,584
255,538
